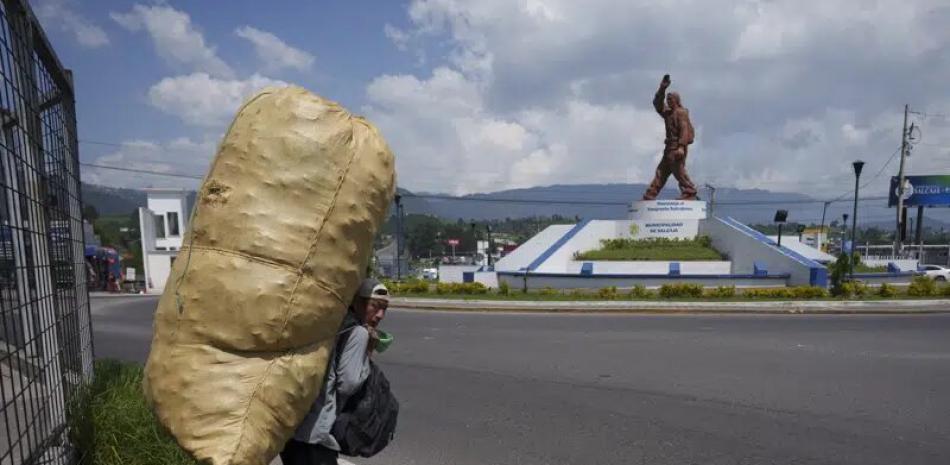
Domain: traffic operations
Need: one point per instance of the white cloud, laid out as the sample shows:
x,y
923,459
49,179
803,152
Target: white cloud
x,y
179,156
62,14
783,97
275,53
441,125
399,37
203,100
176,39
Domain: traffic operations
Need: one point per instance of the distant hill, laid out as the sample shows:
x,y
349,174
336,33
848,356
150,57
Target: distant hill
x,y
117,200
610,201
112,200
589,201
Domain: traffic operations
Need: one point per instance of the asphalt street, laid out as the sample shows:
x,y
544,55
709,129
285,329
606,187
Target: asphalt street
x,y
494,388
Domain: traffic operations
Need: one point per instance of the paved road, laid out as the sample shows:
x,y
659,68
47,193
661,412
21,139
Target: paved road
x,y
630,389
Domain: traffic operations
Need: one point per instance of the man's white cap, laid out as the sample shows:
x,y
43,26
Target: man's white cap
x,y
373,289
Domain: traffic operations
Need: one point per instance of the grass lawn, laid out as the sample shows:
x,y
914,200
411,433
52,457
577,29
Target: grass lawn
x,y
653,249
112,425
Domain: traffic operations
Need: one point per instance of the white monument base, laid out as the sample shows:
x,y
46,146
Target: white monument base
x,y
668,219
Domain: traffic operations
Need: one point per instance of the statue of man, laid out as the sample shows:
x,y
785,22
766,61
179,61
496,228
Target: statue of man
x,y
679,134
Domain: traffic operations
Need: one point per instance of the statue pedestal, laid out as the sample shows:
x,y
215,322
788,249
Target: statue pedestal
x,y
669,219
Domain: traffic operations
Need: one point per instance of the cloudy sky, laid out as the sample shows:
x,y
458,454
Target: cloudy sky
x,y
484,95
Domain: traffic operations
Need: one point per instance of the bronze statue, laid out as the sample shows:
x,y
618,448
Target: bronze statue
x,y
679,134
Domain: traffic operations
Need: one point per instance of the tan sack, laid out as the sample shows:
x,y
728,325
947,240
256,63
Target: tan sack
x,y
279,241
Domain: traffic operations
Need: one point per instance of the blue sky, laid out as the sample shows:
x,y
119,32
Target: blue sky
x,y
483,95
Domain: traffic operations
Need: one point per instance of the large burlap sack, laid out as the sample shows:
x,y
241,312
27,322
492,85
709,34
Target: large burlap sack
x,y
279,241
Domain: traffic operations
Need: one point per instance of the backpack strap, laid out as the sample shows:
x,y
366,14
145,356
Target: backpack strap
x,y
343,335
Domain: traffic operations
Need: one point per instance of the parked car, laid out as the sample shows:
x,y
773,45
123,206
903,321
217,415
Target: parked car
x,y
937,272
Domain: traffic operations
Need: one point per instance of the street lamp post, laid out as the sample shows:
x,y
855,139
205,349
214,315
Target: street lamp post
x,y
780,217
858,166
398,199
488,230
475,239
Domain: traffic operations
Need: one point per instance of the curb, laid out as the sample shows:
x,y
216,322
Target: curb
x,y
114,295
660,307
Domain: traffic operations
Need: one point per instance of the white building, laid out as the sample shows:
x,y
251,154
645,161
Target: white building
x,y
162,224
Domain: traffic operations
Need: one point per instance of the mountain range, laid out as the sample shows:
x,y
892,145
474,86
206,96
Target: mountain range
x,y
586,201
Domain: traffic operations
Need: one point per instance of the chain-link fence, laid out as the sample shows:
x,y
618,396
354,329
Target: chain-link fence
x,y
45,334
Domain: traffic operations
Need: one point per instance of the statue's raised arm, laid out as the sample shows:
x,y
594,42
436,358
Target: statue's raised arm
x,y
661,94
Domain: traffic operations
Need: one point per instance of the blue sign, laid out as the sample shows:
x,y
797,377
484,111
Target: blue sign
x,y
928,191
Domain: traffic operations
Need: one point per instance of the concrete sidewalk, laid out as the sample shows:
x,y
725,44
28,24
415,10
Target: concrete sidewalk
x,y
660,306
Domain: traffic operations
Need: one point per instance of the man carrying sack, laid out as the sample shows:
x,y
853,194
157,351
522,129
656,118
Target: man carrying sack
x,y
323,434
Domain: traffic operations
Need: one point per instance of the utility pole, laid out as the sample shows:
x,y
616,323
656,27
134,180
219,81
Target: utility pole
x,y
821,230
900,186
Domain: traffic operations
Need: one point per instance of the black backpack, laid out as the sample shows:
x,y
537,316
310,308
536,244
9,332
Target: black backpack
x,y
367,422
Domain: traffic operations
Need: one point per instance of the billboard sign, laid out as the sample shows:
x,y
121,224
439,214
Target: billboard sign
x,y
928,191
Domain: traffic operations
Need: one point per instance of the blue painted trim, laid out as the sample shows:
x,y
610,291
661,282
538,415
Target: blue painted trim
x,y
759,269
818,277
644,276
587,268
557,245
674,269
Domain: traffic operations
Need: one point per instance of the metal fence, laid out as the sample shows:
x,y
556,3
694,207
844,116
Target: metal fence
x,y
45,334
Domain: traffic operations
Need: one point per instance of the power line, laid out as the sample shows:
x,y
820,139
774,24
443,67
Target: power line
x,y
929,115
133,170
95,142
868,182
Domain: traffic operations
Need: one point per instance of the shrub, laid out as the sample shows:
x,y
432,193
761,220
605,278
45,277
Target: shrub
x,y
856,289
579,293
639,292
443,288
474,288
111,424
809,292
504,288
548,291
783,292
608,293
681,290
722,292
415,286
922,286
886,290
945,291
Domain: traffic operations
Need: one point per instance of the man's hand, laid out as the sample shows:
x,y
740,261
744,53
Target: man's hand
x,y
373,339
665,82
679,152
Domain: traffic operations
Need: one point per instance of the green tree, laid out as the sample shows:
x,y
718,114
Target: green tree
x,y
89,213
